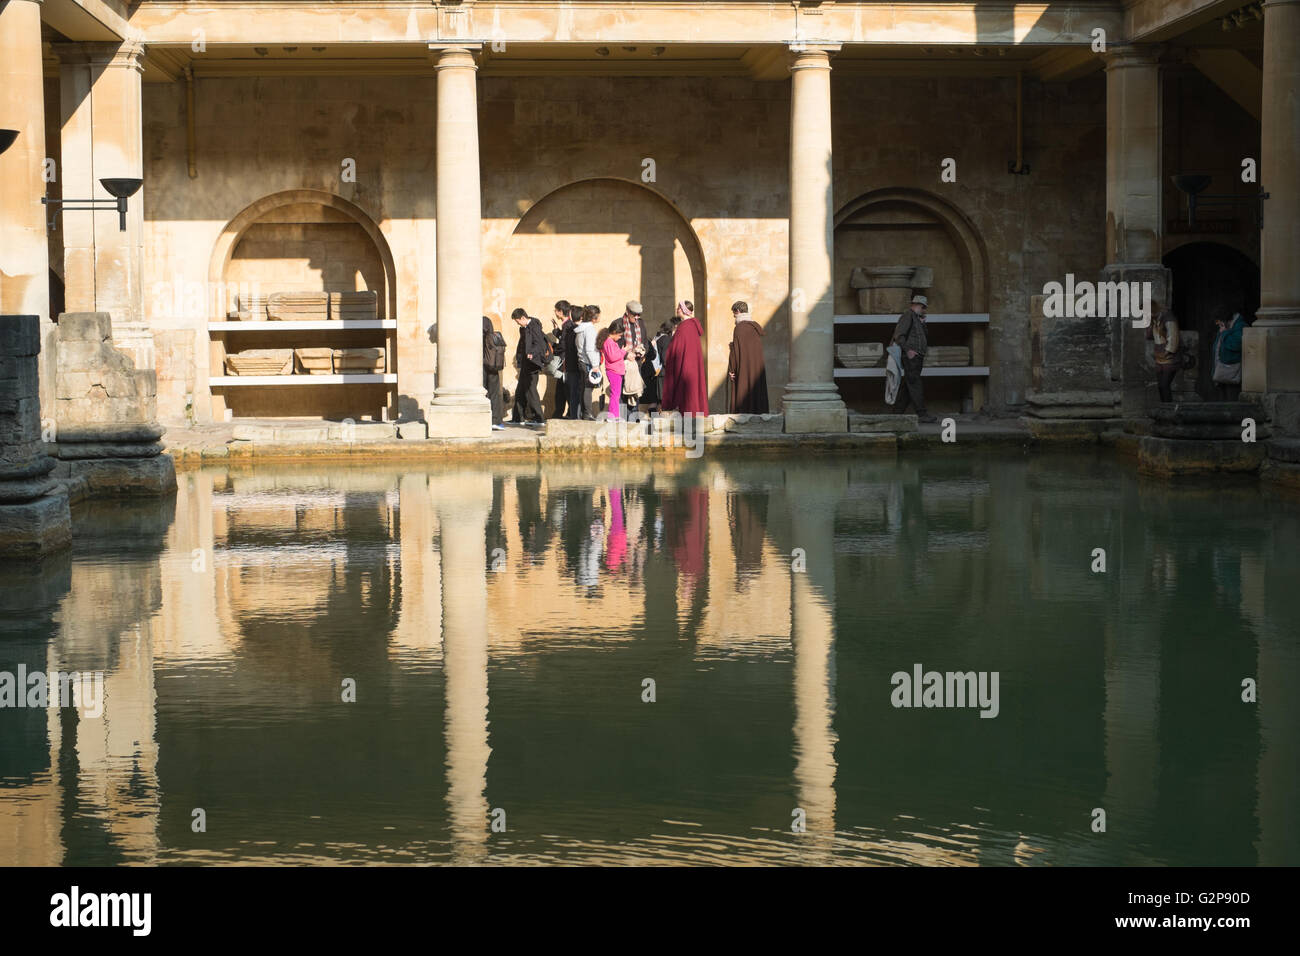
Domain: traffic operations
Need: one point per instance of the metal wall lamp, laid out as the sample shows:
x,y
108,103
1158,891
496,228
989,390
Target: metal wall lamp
x,y
1192,187
120,189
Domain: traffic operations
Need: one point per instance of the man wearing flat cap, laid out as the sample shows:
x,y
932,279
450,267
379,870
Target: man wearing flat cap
x,y
909,335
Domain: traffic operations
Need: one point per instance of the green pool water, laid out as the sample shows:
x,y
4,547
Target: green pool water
x,y
690,662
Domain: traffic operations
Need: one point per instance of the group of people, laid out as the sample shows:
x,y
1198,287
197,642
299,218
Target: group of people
x,y
1172,356
664,372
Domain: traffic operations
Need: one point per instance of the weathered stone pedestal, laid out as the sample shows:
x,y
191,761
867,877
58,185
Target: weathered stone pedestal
x,y
1281,464
1202,438
34,516
105,414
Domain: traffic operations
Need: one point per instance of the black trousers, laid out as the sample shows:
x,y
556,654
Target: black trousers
x,y
528,407
561,397
492,383
1165,375
910,387
579,395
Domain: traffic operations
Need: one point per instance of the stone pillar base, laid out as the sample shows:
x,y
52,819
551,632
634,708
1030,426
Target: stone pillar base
x,y
1282,466
119,477
460,421
34,528
805,417
1270,356
1168,457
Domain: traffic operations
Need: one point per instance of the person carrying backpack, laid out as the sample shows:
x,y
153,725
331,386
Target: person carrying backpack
x,y
494,360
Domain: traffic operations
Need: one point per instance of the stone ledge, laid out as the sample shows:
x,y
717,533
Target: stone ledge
x,y
1284,450
1177,456
1071,430
125,477
1280,472
860,423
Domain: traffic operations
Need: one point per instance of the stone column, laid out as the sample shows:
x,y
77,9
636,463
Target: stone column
x,y
24,253
34,517
1134,223
460,406
101,138
1271,347
811,401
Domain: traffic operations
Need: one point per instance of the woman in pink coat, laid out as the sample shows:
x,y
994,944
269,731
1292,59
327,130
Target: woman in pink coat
x,y
614,355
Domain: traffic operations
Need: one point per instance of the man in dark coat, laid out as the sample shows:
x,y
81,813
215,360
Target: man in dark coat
x,y
529,358
746,370
910,335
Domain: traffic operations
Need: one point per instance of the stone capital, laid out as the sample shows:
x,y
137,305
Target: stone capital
x,y
129,54
455,55
1125,55
811,56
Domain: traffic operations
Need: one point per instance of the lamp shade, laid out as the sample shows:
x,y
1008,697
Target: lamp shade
x,y
1191,185
120,188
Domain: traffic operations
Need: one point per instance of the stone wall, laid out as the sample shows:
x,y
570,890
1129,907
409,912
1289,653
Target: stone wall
x,y
719,150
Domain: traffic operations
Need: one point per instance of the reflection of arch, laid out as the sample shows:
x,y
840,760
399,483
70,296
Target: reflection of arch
x,y
876,209
650,223
1210,280
235,229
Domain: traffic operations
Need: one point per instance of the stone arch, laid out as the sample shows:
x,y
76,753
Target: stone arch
x,y
609,229
256,212
898,210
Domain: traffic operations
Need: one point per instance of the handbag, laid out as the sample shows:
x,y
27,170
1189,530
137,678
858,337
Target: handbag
x,y
633,384
1225,373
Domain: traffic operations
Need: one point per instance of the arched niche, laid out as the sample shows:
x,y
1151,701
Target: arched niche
x,y
603,242
305,239
902,226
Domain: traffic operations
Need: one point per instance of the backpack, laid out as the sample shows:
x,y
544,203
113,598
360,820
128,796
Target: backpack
x,y
548,351
494,351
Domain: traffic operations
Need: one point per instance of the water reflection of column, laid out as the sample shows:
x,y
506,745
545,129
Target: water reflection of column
x,y
419,625
1132,714
812,504
463,503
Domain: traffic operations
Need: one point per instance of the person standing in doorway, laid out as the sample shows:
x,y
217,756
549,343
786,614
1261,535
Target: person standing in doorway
x,y
494,360
910,336
746,372
530,357
1164,330
1227,358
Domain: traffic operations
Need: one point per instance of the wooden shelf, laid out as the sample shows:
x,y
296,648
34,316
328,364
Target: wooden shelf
x,y
935,318
335,325
361,378
940,371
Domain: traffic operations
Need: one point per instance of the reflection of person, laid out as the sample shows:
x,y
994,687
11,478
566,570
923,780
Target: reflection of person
x,y
746,370
617,549
685,388
910,336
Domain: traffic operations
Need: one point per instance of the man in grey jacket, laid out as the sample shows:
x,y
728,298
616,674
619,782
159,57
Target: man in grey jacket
x,y
910,336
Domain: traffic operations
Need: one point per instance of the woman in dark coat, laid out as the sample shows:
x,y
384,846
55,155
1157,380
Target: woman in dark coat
x,y
746,371
685,388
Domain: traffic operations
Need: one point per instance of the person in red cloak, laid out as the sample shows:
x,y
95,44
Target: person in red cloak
x,y
685,389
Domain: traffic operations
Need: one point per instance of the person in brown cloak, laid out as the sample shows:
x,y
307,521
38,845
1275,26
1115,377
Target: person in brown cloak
x,y
746,371
685,389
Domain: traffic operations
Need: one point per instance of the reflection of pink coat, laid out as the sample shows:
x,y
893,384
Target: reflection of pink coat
x,y
617,549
